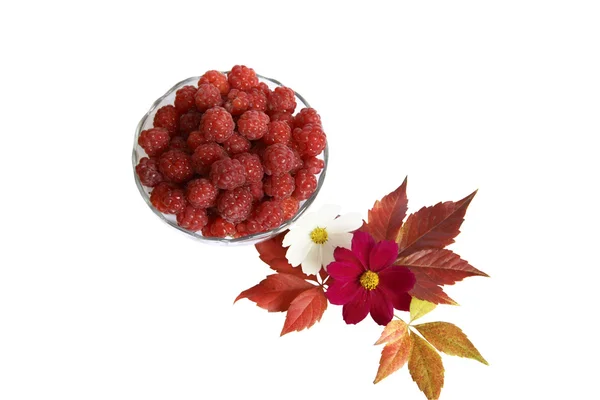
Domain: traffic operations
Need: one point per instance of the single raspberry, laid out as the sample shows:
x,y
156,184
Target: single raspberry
x,y
278,159
252,166
218,227
216,78
217,124
176,166
282,116
237,102
207,96
309,140
279,187
235,205
167,117
256,188
306,184
236,144
147,171
241,230
154,141
290,207
201,193
192,218
268,214
184,99
253,124
253,226
298,163
282,99
195,139
168,198
242,78
314,165
205,155
189,122
228,174
307,116
264,88
178,143
258,99
279,132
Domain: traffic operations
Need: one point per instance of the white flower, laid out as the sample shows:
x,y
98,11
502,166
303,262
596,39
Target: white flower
x,y
313,238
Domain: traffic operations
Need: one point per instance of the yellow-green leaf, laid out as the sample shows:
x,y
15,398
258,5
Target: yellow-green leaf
x,y
419,308
395,354
450,339
392,332
425,367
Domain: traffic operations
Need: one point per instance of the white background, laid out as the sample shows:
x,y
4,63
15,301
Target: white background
x,y
101,300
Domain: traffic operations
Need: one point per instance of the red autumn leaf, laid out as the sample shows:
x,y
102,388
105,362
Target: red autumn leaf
x,y
395,354
433,227
427,290
305,310
276,292
272,253
387,214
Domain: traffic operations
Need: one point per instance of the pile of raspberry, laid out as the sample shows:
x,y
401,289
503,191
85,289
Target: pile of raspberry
x,y
230,157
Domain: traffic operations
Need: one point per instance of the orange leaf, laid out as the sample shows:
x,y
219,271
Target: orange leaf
x,y
395,354
305,310
387,214
276,292
426,368
450,339
272,253
433,227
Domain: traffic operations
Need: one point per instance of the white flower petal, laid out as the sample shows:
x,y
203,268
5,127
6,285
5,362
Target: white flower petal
x,y
345,223
294,235
312,263
298,251
343,239
327,254
326,214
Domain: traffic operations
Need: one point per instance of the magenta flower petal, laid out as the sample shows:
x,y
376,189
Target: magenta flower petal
x,y
340,293
382,309
397,279
346,255
362,243
357,309
382,255
344,271
400,300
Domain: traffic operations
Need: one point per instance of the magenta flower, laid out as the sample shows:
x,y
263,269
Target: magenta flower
x,y
366,281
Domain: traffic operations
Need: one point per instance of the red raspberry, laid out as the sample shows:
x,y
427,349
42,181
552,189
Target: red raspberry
x,y
218,227
290,207
253,124
306,184
178,143
279,132
258,99
167,117
176,166
236,144
190,121
309,140
216,78
184,98
195,139
154,141
298,163
147,171
264,88
241,230
201,193
252,227
207,96
252,167
228,174
278,159
237,102
268,214
235,205
282,99
205,155
314,165
242,77
279,187
192,218
217,124
168,198
282,116
307,116
256,188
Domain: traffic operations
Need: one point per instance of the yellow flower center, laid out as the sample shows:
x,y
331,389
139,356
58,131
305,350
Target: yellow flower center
x,y
369,280
319,235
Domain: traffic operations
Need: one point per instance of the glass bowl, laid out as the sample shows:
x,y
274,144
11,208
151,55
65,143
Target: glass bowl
x,y
147,122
